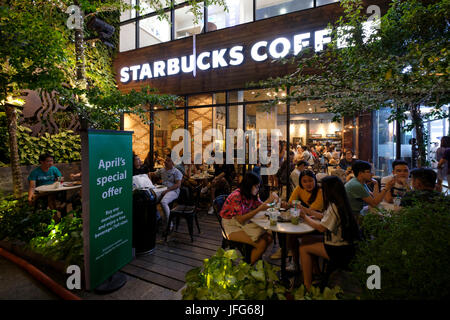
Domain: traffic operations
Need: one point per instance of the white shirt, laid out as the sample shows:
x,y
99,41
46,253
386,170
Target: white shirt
x,y
331,221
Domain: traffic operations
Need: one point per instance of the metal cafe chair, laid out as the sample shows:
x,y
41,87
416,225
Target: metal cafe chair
x,y
186,207
244,248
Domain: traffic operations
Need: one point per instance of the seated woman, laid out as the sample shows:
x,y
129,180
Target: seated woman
x,y
339,226
310,196
242,205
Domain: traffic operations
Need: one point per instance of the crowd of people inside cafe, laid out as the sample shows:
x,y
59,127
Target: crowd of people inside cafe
x,y
331,201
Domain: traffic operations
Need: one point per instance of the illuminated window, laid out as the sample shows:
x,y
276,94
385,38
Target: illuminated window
x,y
271,8
239,11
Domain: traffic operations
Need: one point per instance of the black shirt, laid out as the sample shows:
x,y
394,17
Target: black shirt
x,y
228,169
142,170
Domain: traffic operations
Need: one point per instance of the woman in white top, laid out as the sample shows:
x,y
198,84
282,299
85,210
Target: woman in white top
x,y
338,225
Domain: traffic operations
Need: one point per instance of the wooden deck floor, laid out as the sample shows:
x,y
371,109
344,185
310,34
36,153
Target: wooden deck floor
x,y
168,264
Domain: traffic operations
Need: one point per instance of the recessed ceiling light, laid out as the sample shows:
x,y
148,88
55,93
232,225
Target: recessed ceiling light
x,y
283,10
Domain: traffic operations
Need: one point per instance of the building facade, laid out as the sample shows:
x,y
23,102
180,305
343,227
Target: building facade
x,y
215,65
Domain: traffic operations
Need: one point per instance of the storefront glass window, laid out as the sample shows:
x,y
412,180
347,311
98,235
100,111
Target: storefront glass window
x,y
311,124
184,23
141,134
127,37
130,13
239,11
271,8
166,122
153,31
384,143
261,116
324,2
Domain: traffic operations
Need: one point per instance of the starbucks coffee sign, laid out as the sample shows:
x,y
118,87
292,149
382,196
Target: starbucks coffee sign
x,y
224,57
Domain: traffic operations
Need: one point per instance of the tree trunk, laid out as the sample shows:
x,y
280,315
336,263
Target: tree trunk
x,y
420,135
14,151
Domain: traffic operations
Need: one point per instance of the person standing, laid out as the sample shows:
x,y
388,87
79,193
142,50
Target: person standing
x,y
442,172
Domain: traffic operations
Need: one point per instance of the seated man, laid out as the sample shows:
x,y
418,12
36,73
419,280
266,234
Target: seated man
x,y
295,174
424,183
45,174
400,172
347,162
171,177
357,191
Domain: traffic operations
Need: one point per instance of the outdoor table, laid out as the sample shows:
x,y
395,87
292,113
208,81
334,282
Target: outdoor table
x,y
283,228
62,187
159,189
386,205
202,176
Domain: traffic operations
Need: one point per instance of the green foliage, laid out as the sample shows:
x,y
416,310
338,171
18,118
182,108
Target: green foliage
x,y
315,293
64,146
64,241
403,65
19,222
225,276
412,249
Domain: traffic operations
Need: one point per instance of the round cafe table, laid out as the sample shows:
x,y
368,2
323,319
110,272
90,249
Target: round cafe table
x,y
62,187
283,228
159,189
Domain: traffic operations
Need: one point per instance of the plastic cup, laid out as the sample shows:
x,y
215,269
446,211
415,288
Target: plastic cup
x,y
273,216
294,216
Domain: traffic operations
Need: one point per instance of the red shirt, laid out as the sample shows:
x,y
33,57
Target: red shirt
x,y
237,204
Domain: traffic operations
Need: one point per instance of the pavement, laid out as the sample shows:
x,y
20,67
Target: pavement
x,y
17,284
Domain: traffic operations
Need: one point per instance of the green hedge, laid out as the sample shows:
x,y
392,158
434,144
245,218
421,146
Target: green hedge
x,y
64,146
412,249
59,242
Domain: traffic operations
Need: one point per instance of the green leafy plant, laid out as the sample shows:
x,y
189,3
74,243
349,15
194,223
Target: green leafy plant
x,y
65,146
316,294
64,241
19,221
412,249
225,276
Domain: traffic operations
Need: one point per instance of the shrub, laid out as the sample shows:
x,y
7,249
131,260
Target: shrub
x,y
412,249
225,276
18,221
64,241
65,146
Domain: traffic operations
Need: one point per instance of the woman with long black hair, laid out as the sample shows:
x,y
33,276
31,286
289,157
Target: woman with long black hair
x,y
338,225
241,206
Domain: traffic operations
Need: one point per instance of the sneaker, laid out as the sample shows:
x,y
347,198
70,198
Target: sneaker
x,y
211,210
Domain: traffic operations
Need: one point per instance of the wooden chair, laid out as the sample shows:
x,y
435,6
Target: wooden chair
x,y
186,207
244,248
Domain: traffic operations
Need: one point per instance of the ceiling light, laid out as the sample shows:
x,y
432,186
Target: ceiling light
x,y
283,10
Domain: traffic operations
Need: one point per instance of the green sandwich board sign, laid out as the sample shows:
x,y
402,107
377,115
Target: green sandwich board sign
x,y
107,203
